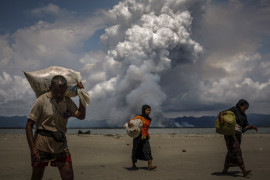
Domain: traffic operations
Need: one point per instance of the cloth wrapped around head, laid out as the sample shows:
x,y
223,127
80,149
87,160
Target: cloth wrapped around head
x,y
144,107
242,102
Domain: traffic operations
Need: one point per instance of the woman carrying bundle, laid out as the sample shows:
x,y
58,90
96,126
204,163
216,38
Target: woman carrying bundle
x,y
234,154
141,147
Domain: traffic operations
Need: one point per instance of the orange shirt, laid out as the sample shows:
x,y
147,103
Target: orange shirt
x,y
146,123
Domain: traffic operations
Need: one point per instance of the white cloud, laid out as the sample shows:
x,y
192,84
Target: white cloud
x,y
5,51
256,85
50,9
43,44
14,95
49,43
232,67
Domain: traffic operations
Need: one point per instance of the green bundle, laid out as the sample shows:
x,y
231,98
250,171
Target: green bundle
x,y
228,127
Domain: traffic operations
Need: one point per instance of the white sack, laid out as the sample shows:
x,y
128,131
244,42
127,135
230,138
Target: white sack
x,y
135,130
40,82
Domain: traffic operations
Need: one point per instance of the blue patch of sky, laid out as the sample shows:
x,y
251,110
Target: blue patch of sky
x,y
15,14
265,45
94,42
247,3
219,1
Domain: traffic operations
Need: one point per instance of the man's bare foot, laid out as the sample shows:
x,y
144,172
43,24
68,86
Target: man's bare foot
x,y
152,167
225,171
246,173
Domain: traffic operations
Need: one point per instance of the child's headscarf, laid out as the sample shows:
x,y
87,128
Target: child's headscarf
x,y
144,107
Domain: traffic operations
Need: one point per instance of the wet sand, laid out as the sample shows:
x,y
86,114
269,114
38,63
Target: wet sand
x,y
108,157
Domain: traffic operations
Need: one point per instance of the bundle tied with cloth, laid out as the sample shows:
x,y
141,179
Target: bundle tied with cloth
x,y
40,82
135,130
228,127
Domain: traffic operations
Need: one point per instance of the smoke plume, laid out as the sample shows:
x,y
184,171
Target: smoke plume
x,y
145,39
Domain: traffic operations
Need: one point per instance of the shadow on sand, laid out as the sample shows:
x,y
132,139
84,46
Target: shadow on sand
x,y
231,173
139,168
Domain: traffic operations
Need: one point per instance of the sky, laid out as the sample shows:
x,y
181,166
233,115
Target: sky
x,y
182,57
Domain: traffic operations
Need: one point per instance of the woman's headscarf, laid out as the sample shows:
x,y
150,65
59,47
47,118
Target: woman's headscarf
x,y
144,107
241,118
242,102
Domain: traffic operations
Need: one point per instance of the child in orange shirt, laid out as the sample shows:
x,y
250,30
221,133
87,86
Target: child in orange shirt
x,y
141,147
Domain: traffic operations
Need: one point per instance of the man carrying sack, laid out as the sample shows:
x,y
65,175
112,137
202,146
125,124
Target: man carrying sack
x,y
50,114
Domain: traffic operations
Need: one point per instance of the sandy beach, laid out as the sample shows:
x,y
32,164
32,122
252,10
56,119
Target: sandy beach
x,y
177,157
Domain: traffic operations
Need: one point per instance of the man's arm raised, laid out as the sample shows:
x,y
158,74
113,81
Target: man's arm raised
x,y
80,114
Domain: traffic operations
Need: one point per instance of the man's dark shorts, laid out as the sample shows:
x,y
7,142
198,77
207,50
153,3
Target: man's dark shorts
x,y
54,158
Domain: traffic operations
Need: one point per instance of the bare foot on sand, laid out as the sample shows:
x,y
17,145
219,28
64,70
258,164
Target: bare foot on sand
x,y
152,167
246,173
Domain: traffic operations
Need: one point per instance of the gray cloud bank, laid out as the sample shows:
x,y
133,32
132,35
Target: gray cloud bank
x,y
187,57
